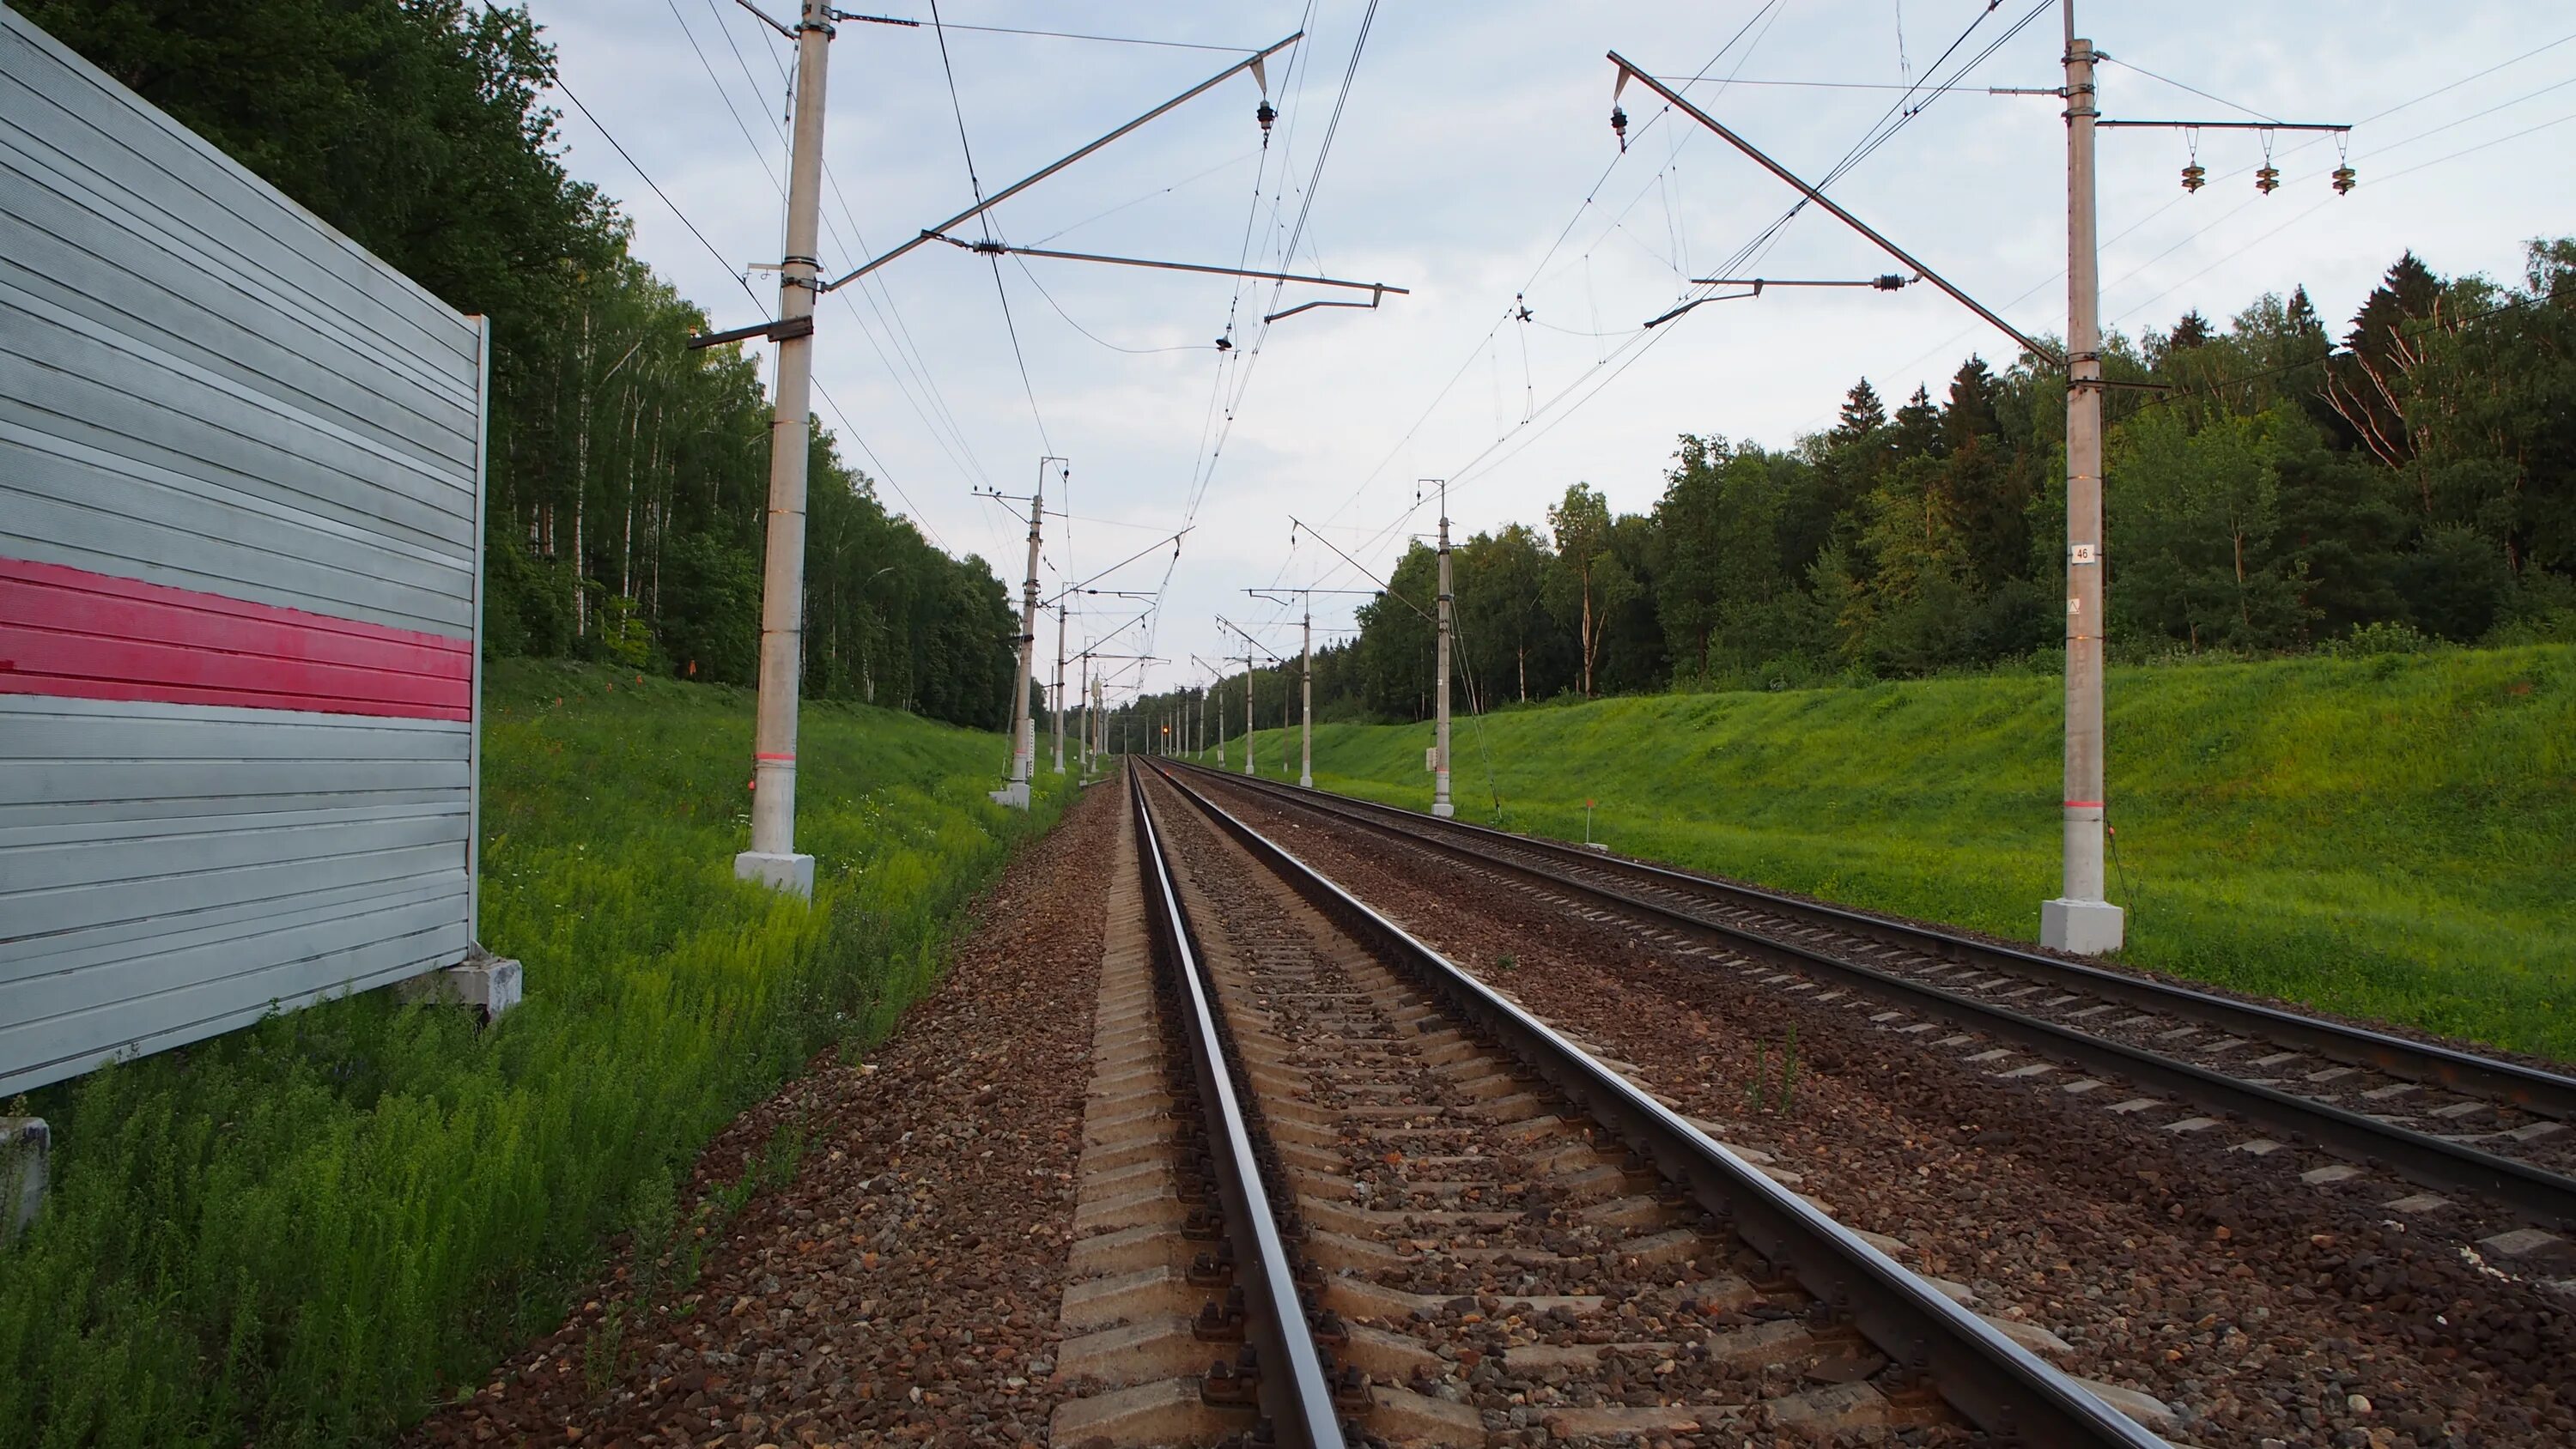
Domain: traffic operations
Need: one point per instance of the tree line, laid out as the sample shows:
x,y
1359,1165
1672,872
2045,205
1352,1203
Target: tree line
x,y
628,475
2266,490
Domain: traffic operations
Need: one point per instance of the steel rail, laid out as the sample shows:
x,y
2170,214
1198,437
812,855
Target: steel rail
x,y
2434,1161
2547,1093
1294,1390
1998,1385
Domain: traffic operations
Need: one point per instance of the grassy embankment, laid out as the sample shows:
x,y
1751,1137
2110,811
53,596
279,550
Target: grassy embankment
x,y
306,1232
2392,837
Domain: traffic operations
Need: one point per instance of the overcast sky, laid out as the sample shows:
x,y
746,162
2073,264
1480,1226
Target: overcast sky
x,y
1474,164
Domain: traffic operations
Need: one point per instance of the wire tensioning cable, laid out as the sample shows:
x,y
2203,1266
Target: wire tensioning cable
x,y
985,221
899,364
883,473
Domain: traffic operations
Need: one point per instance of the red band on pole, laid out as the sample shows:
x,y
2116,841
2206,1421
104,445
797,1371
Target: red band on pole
x,y
2083,804
788,759
81,635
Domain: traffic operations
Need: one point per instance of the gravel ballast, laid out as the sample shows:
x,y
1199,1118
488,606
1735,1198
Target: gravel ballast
x,y
903,1286
2260,1308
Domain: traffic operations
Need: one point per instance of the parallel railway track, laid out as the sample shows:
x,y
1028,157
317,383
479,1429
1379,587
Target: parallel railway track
x,y
1424,1186
2365,1098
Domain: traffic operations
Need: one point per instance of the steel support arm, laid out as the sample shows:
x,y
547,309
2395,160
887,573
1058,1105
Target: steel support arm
x,y
1675,98
1042,173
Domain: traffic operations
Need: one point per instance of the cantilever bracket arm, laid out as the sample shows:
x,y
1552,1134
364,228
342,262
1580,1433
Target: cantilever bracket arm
x,y
1002,248
2230,125
1376,294
774,22
1248,639
1383,586
1702,301
1251,63
2033,345
774,331
1888,283
1174,539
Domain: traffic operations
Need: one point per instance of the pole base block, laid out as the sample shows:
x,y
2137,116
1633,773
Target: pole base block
x,y
791,873
1306,782
1014,794
2087,928
1444,809
484,982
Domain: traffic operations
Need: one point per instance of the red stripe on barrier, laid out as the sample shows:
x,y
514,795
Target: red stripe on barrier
x,y
83,635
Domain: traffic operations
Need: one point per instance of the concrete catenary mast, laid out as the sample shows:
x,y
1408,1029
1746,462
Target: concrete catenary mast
x,y
773,859
1059,687
1306,697
2080,919
1440,804
1024,738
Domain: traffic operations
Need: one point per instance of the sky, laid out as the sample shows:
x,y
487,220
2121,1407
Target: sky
x,y
1470,160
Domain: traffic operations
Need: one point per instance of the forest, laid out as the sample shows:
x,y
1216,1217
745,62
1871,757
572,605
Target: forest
x,y
2267,491
629,475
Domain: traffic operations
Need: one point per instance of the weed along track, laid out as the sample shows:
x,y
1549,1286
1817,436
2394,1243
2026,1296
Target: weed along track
x,y
1483,1234
2468,1146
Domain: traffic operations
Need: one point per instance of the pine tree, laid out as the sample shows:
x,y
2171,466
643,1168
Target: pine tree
x,y
1971,410
1918,426
2366,384
1862,413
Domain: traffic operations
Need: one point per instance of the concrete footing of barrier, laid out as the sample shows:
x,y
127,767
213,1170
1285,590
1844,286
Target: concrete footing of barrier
x,y
487,983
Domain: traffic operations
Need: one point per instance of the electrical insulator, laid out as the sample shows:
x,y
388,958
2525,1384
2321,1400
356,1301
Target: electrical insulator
x,y
2344,177
2268,180
1619,126
2194,176
1266,114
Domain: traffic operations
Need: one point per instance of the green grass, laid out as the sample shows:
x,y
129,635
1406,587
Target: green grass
x,y
2392,837
310,1231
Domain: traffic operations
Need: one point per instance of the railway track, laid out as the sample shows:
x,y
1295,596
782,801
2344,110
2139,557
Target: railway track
x,y
1422,1215
2342,1100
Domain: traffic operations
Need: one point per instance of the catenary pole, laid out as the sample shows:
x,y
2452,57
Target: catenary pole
x,y
773,859
1015,792
1306,697
1059,688
1440,804
2080,919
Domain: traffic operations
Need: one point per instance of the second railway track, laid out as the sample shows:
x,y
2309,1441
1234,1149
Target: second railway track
x,y
1443,1222
2341,1100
